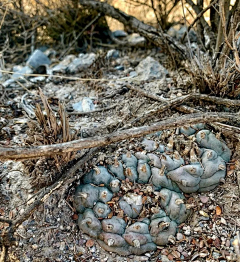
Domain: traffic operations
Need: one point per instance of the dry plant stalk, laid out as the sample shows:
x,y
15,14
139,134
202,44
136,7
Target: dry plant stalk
x,y
224,78
46,131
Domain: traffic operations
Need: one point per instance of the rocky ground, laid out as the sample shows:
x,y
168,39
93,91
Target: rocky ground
x,y
51,232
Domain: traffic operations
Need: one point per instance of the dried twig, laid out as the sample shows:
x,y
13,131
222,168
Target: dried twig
x,y
77,37
198,17
57,149
191,96
3,254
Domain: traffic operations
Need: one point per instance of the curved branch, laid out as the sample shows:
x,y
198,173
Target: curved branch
x,y
170,123
151,33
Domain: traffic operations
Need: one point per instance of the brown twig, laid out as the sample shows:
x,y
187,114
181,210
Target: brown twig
x,y
3,254
77,37
197,18
192,96
55,149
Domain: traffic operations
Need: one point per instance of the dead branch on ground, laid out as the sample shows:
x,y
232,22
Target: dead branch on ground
x,y
21,153
145,30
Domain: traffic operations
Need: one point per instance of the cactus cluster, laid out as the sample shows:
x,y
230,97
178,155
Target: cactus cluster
x,y
166,173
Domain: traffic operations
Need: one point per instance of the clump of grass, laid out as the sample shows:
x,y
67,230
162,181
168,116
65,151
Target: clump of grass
x,y
48,129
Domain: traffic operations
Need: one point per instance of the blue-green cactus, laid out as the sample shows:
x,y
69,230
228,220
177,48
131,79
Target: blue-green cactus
x,y
114,225
144,172
190,130
114,185
166,173
162,229
85,197
89,224
131,173
187,177
173,204
138,237
104,195
154,160
173,162
98,175
130,204
159,179
129,160
150,145
207,139
117,169
101,210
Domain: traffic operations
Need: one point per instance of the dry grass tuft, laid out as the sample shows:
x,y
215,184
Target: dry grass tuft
x,y
48,129
209,79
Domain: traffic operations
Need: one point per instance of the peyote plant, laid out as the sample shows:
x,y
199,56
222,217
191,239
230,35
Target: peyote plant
x,y
125,221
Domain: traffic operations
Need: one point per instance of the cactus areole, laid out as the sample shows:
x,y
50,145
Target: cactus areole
x,y
137,203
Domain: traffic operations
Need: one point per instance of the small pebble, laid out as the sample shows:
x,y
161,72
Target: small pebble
x,y
204,199
179,236
141,258
215,255
62,246
34,246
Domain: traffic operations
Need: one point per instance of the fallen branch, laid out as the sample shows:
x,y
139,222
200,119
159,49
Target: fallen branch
x,y
198,17
151,33
21,153
191,96
227,130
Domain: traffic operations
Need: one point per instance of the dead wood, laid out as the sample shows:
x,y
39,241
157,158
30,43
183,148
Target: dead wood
x,y
207,28
21,153
151,33
227,130
191,96
198,17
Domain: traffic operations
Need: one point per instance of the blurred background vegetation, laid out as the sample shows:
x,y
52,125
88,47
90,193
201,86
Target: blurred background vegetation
x,y
29,24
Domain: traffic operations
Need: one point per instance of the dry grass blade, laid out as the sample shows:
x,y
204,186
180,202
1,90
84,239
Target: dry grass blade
x,y
50,128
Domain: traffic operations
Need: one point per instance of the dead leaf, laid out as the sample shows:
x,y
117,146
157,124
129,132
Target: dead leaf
x,y
75,216
218,210
144,199
204,214
90,243
110,215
